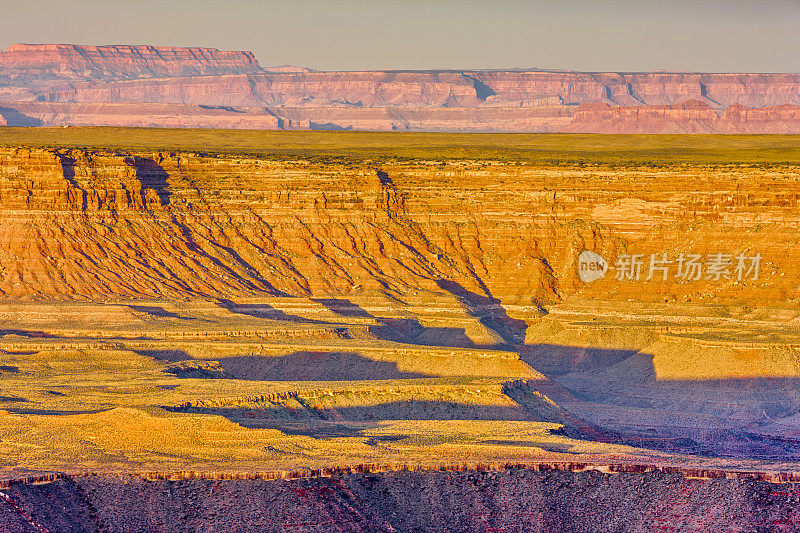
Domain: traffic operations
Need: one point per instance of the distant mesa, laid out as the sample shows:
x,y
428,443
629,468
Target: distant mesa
x,y
51,62
287,68
67,84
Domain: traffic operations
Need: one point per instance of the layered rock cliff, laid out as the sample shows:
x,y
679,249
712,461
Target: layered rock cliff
x,y
85,224
92,224
509,500
25,63
692,116
688,117
531,101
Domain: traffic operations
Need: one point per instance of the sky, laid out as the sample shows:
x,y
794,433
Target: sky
x,y
612,35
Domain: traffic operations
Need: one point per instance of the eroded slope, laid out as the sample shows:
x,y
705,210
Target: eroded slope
x,y
508,500
186,310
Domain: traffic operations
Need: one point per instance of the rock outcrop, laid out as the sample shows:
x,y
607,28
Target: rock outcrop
x,y
26,63
688,117
508,500
93,224
35,78
139,115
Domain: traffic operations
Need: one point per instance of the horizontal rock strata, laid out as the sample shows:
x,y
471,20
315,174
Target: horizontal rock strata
x,y
191,83
94,224
514,499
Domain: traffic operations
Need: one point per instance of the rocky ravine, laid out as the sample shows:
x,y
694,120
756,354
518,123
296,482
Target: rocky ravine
x,y
507,500
204,87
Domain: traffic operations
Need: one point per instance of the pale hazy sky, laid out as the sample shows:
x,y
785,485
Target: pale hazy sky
x,y
700,35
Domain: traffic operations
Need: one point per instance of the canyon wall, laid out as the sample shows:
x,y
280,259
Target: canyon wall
x,y
92,224
687,117
42,85
508,500
24,63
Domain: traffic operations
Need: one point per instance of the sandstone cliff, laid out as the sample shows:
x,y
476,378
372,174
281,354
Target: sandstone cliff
x,y
92,225
514,101
688,117
23,63
85,224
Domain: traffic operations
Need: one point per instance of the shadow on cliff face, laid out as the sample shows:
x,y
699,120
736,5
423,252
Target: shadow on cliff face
x,y
328,126
160,312
313,366
13,399
152,176
256,283
344,307
172,356
384,178
31,334
556,360
619,390
405,330
482,91
265,311
229,109
488,311
343,421
16,119
53,412
67,167
78,196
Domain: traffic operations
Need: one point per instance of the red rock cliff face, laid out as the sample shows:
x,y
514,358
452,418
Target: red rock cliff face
x,y
442,89
295,98
648,88
329,89
25,62
777,119
690,117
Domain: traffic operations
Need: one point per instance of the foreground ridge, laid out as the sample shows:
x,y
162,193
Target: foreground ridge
x,y
454,499
377,468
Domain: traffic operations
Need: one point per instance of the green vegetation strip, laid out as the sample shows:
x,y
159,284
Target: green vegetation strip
x,y
649,150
